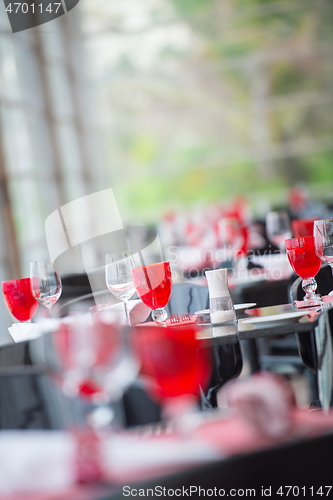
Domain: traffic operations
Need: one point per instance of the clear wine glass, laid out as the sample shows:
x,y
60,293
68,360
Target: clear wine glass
x,y
118,276
323,234
153,284
91,358
45,282
278,228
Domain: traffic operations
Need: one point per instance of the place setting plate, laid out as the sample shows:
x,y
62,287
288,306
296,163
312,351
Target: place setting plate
x,y
275,319
238,308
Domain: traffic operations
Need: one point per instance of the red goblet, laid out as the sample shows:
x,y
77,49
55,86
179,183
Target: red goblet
x,y
174,365
19,299
305,262
153,284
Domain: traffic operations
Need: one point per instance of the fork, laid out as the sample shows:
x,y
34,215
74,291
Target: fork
x,y
174,318
185,317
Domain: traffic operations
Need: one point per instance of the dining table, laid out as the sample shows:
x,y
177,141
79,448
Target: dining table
x,y
215,427
263,322
253,323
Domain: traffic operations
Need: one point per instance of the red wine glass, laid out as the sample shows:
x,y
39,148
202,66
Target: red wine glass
x,y
153,284
19,299
174,366
305,262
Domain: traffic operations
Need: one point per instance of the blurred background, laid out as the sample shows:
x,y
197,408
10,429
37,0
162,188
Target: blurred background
x,y
184,107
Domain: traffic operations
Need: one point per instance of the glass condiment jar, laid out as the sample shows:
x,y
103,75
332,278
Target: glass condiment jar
x,y
222,311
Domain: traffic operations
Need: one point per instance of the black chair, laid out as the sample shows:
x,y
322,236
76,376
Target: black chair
x,y
306,341
324,280
188,298
267,293
30,400
274,354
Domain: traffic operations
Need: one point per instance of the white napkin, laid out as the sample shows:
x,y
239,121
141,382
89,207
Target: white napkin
x,y
25,331
36,461
138,458
137,310
45,461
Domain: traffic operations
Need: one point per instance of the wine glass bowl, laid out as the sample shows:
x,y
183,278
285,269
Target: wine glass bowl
x,y
153,284
306,264
118,277
45,281
19,299
174,364
323,234
278,228
91,359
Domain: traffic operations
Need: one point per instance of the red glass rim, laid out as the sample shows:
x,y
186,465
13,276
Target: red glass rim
x,y
151,265
292,242
15,281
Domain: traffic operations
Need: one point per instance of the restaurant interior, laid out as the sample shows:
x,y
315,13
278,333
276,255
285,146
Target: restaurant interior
x,y
166,250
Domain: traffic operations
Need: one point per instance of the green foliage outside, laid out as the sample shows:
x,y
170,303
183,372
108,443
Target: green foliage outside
x,y
236,99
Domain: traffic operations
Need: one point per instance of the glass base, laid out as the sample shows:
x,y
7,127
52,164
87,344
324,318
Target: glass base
x,y
309,286
159,316
312,301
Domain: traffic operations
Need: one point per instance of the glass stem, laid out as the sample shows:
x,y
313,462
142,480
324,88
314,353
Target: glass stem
x,y
127,314
309,286
159,316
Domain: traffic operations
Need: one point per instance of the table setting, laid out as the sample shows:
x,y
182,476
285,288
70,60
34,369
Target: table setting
x,y
97,355
47,465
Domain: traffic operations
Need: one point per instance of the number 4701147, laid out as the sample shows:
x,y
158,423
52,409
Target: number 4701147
x,y
16,7
295,491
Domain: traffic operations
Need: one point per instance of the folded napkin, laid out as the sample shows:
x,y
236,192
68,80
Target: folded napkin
x,y
36,461
48,464
300,304
137,458
265,401
28,331
25,331
168,323
137,310
190,321
327,298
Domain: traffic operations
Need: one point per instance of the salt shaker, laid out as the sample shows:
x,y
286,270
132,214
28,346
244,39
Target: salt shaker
x,y
222,311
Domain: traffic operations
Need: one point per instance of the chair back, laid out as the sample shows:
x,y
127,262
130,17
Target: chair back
x,y
324,280
188,298
30,400
306,341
